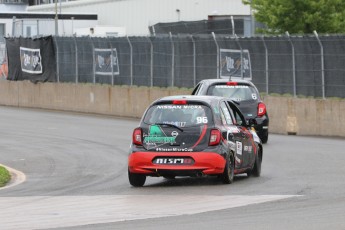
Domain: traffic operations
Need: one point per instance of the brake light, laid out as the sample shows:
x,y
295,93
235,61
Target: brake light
x,y
215,137
137,137
179,102
231,83
261,109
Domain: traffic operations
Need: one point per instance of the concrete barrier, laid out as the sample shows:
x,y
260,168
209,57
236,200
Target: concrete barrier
x,y
300,116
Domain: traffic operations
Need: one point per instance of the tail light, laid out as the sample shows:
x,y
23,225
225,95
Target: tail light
x,y
214,137
137,137
231,83
179,102
261,109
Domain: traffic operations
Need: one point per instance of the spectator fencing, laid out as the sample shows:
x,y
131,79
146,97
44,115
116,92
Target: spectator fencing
x,y
308,66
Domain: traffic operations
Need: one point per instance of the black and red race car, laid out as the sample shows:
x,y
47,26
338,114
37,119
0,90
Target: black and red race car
x,y
246,95
193,136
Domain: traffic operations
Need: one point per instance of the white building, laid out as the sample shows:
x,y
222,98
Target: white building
x,y
135,16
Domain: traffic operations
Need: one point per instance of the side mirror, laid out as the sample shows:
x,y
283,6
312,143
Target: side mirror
x,y
251,122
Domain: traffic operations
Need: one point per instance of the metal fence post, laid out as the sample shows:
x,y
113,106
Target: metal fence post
x,y
233,25
293,64
57,59
76,60
38,28
112,64
93,62
172,60
151,61
266,63
194,62
322,64
218,64
13,26
131,60
238,42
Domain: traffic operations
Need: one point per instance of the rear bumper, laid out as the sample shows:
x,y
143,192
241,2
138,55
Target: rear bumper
x,y
206,163
262,125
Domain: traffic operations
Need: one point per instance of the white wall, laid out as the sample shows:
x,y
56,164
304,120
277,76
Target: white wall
x,y
46,26
138,15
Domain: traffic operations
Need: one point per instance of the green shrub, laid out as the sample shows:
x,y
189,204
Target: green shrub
x,y
4,176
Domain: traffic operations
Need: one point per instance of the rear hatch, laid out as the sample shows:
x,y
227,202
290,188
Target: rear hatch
x,y
244,94
179,127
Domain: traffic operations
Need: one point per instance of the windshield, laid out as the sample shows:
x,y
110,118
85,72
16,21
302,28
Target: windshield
x,y
234,92
179,115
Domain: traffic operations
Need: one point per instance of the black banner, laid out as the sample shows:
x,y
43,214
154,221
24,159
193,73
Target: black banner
x,y
31,59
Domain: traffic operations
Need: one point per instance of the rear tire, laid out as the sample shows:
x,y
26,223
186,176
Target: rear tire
x,y
256,171
264,138
136,180
228,174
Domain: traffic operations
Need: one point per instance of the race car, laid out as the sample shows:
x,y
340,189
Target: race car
x,y
246,95
193,136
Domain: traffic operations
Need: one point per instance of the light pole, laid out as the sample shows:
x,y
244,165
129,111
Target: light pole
x,y
56,20
252,18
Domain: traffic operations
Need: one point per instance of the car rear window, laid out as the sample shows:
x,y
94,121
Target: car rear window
x,y
234,92
179,115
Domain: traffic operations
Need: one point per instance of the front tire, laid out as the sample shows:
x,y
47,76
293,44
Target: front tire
x,y
136,180
228,174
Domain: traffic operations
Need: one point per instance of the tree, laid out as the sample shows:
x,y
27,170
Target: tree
x,y
299,16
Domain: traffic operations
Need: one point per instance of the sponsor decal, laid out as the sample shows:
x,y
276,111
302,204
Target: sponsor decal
x,y
232,129
174,133
106,62
179,107
239,148
31,60
248,148
174,149
237,99
157,137
238,160
235,63
176,123
173,161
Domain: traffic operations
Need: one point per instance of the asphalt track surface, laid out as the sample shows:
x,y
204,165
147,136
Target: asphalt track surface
x,y
75,177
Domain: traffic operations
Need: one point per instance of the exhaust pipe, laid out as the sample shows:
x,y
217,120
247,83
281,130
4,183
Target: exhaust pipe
x,y
199,174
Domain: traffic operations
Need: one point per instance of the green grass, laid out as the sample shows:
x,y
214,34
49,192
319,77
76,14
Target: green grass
x,y
4,176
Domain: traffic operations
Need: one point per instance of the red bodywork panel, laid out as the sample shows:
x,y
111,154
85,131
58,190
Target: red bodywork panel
x,y
208,162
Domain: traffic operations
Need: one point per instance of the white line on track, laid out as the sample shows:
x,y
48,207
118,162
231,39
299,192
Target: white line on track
x,y
42,212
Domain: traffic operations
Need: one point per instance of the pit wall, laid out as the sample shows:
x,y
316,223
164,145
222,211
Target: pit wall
x,y
288,115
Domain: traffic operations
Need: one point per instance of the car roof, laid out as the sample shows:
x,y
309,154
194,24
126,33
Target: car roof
x,y
205,99
224,80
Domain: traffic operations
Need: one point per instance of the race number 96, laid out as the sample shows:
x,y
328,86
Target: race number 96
x,y
201,120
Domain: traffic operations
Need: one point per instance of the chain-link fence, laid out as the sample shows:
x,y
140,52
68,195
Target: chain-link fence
x,y
310,66
296,65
